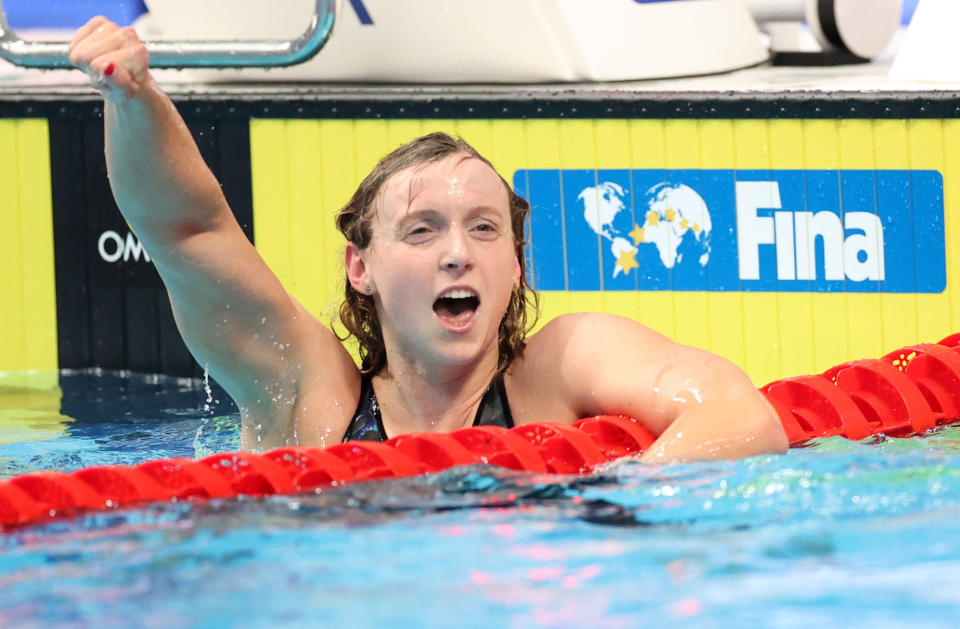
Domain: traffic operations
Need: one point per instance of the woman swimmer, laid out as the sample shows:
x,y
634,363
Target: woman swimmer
x,y
435,293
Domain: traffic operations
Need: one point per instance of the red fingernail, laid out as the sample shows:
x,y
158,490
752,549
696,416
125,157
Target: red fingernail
x,y
109,69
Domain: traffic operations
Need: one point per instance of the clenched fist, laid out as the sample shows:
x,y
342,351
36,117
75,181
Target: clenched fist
x,y
114,58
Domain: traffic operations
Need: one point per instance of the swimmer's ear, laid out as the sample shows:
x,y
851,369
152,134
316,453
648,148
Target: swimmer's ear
x,y
357,270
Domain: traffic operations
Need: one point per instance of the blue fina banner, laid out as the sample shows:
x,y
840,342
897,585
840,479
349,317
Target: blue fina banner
x,y
744,230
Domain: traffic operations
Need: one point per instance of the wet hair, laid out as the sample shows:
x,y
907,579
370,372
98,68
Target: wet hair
x,y
358,313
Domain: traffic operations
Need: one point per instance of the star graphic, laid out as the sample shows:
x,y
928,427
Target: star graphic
x,y
670,214
684,224
627,261
696,228
637,234
653,218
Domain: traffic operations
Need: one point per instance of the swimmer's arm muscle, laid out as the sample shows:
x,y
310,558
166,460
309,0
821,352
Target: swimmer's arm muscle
x,y
235,316
699,404
233,313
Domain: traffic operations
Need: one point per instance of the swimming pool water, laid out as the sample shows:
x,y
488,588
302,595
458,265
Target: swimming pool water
x,y
837,534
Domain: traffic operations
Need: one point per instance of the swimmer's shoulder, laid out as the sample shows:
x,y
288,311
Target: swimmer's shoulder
x,y
587,335
565,360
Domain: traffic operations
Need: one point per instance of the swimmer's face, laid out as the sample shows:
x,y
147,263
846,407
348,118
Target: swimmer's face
x,y
441,263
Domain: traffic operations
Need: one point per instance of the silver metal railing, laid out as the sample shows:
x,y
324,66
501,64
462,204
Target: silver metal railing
x,y
187,54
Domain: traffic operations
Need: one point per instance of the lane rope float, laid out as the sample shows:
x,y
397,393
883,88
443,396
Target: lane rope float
x,y
907,392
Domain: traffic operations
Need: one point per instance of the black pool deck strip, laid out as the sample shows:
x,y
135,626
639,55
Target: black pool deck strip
x,y
613,100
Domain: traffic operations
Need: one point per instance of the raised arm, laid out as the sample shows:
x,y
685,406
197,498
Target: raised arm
x,y
233,313
701,405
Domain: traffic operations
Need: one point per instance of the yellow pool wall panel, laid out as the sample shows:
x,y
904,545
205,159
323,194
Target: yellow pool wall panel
x,y
303,171
28,317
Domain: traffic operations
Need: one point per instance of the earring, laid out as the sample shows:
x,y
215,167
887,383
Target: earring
x,y
367,290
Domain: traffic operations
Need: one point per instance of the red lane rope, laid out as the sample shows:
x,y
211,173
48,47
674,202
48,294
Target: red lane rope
x,y
907,392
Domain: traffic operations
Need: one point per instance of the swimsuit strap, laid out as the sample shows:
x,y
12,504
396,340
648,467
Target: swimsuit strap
x,y
367,423
494,409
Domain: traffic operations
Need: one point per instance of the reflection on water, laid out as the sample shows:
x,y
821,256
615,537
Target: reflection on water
x,y
75,419
30,407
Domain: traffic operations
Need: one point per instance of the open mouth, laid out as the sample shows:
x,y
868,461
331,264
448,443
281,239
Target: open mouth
x,y
456,306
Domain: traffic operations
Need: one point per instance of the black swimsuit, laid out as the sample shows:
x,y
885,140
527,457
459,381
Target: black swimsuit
x,y
367,424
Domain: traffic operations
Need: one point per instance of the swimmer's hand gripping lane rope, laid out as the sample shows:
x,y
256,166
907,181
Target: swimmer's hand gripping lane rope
x,y
907,392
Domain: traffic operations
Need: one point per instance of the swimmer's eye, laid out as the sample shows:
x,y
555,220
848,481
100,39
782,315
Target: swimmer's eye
x,y
419,233
486,229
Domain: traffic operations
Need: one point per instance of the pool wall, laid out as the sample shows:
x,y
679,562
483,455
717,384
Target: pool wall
x,y
28,316
881,169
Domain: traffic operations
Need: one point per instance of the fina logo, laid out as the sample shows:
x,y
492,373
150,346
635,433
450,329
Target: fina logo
x,y
856,257
726,230
112,247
